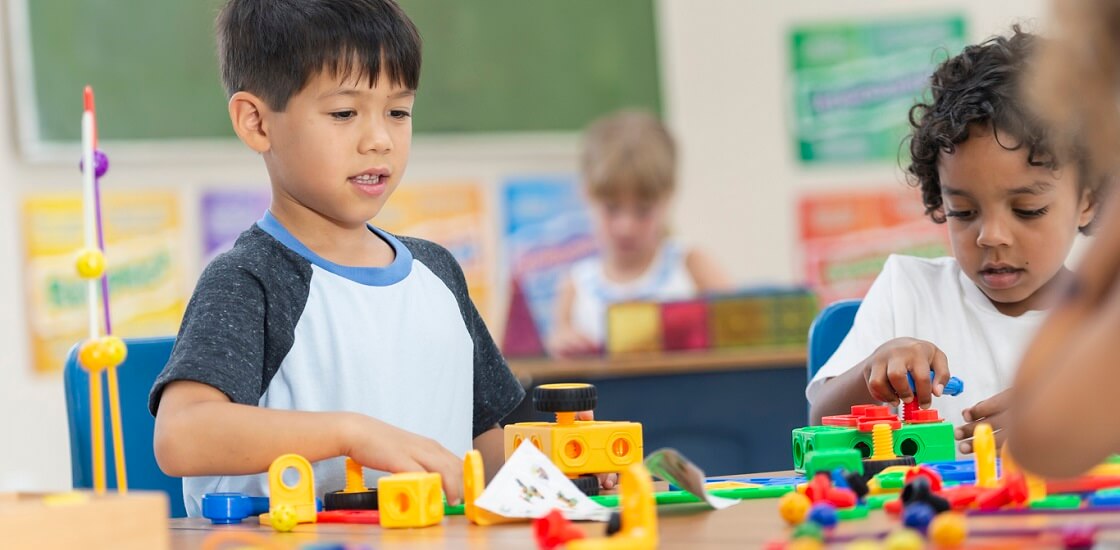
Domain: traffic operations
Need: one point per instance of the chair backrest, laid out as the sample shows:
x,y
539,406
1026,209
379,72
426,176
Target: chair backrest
x,y
828,330
146,358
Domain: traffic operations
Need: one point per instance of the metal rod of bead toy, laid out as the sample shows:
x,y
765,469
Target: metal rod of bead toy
x,y
96,427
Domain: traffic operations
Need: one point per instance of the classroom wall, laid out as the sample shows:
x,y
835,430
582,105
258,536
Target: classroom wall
x,y
724,85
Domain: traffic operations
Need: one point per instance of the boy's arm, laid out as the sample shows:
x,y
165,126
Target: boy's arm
x,y
199,431
706,273
491,444
839,393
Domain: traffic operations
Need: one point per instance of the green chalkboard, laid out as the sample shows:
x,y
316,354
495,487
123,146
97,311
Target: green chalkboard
x,y
489,65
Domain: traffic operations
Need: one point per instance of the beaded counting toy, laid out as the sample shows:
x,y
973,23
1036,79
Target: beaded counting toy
x,y
99,353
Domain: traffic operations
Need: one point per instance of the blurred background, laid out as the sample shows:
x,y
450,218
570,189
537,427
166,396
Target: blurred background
x,y
789,118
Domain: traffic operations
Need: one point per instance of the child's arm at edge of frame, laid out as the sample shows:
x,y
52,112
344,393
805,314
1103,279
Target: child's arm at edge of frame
x,y
200,432
706,273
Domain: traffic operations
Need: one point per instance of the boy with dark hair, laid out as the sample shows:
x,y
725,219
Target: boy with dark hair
x,y
319,334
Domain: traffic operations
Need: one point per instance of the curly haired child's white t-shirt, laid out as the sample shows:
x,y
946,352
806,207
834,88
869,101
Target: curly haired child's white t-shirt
x,y
933,300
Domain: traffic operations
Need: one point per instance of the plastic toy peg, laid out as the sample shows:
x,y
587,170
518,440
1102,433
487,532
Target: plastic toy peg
x,y
984,450
905,539
300,497
474,482
823,514
917,516
553,530
283,517
882,442
90,263
356,496
577,447
413,499
639,515
953,387
948,530
994,499
1079,536
794,508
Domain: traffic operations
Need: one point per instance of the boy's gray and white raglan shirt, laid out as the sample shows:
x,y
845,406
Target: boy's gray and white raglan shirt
x,y
273,324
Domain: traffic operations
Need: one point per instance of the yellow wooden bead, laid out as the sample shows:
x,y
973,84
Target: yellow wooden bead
x,y
90,263
102,353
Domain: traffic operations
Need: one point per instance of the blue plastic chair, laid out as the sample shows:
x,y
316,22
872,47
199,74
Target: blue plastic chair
x,y
146,358
828,330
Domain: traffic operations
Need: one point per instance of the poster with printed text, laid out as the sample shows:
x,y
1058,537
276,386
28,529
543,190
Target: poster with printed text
x,y
143,252
846,236
854,83
547,228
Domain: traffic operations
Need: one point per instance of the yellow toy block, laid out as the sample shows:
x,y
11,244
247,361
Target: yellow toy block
x,y
581,447
634,327
292,502
639,515
412,499
474,482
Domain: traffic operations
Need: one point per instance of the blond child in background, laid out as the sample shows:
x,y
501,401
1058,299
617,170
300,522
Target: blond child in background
x,y
629,167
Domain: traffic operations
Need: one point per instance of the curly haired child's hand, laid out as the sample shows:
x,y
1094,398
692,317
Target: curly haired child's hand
x,y
885,371
990,411
381,446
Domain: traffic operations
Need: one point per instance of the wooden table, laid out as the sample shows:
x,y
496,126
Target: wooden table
x,y
729,411
749,524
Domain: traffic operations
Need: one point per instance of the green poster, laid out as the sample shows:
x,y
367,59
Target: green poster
x,y
854,83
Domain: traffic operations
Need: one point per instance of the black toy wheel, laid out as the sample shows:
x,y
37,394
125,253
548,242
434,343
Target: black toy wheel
x,y
589,484
360,500
564,397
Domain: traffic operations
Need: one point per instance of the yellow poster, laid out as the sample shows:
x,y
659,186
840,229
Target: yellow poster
x,y
143,251
453,215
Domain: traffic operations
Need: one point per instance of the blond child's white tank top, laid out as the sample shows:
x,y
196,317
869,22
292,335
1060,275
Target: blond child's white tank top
x,y
666,279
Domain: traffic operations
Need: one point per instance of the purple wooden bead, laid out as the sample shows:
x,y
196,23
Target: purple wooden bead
x,y
100,163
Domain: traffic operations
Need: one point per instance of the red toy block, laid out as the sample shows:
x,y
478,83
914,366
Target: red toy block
x,y
1016,484
926,472
553,530
919,416
685,325
818,487
841,420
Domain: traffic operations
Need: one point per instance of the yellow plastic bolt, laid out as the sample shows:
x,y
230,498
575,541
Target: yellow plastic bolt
x,y
882,442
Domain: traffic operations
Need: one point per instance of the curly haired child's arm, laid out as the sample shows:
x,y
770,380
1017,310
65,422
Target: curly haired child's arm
x,y
708,275
199,431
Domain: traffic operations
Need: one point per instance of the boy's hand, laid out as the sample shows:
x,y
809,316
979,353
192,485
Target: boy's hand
x,y
377,445
567,343
607,481
886,370
991,411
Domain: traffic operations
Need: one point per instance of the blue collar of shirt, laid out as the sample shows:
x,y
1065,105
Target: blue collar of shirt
x,y
369,276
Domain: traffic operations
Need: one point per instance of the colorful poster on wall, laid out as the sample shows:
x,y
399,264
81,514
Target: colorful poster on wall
x,y
226,214
846,237
452,214
546,229
853,83
144,252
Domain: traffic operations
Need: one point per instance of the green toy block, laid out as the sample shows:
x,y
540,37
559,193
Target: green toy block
x,y
892,480
854,513
876,502
813,438
827,460
926,442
